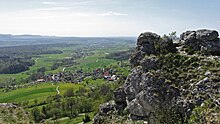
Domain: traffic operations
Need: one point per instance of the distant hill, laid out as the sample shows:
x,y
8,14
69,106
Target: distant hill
x,y
20,40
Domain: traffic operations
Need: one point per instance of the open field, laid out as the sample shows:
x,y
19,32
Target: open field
x,y
97,60
57,97
91,62
40,92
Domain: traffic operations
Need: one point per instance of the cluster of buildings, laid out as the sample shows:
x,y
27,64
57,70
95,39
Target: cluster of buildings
x,y
79,76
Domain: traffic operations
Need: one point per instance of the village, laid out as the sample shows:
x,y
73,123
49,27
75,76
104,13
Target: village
x,y
71,74
108,74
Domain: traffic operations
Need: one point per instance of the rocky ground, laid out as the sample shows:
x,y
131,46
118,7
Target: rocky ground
x,y
170,83
12,114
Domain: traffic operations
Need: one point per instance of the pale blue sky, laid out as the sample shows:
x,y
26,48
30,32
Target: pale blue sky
x,y
107,17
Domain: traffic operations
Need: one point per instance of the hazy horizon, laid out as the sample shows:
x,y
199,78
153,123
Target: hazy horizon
x,y
106,18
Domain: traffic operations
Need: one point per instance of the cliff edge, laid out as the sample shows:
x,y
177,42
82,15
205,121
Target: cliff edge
x,y
171,83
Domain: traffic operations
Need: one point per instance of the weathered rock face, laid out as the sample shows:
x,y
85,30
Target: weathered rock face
x,y
202,35
145,46
107,107
151,44
204,40
148,63
146,42
162,84
206,35
104,110
120,99
144,91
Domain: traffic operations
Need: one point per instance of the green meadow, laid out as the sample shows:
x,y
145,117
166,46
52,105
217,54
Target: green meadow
x,y
40,92
88,63
89,93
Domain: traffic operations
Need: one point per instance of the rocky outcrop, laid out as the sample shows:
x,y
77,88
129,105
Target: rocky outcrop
x,y
13,114
204,40
107,107
146,42
146,92
104,110
8,105
165,86
120,99
151,44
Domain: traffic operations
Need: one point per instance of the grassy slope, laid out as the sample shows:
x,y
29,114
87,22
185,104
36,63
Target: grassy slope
x,y
39,92
43,90
91,62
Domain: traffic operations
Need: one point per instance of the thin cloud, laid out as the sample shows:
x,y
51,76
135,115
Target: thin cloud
x,y
81,14
49,3
218,21
86,14
53,9
111,13
81,2
67,3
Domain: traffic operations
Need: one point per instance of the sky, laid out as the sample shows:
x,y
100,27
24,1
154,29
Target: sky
x,y
107,17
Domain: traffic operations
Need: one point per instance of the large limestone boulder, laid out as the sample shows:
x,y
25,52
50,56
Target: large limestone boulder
x,y
202,35
149,43
146,42
205,41
145,46
206,35
144,92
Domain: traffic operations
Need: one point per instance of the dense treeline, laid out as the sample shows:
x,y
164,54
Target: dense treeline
x,y
120,56
30,50
14,65
19,58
